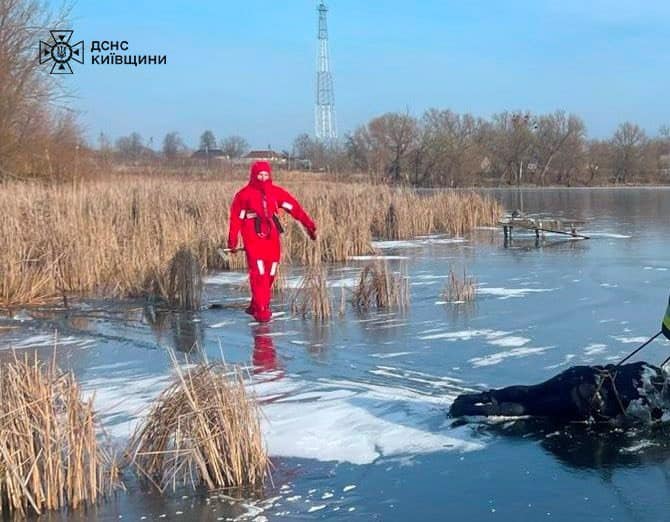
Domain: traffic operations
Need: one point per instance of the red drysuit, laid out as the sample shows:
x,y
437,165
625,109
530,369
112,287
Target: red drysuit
x,y
254,212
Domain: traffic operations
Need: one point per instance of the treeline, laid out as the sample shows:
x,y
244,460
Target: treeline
x,y
446,149
135,148
37,135
40,137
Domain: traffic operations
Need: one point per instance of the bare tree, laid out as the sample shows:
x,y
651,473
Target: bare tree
x,y
388,140
559,139
173,145
628,144
449,148
28,94
509,143
234,146
207,141
314,151
130,147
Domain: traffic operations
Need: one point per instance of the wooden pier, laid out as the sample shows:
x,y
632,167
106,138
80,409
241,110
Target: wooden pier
x,y
542,225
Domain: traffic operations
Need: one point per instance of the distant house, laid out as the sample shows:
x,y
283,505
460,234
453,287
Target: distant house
x,y
209,154
664,162
276,158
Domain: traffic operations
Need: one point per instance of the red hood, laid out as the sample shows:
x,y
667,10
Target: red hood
x,y
256,167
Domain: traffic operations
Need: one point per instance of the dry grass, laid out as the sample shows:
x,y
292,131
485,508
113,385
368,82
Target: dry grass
x,y
51,458
379,288
460,289
117,236
312,298
204,430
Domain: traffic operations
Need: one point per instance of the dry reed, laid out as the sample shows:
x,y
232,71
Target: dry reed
x,y
117,236
204,430
379,288
51,458
460,289
184,281
312,298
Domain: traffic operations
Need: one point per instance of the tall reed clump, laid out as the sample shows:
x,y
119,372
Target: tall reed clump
x,y
115,236
184,281
312,298
51,458
460,289
379,288
204,430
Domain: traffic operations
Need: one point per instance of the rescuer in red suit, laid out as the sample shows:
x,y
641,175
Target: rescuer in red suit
x,y
255,213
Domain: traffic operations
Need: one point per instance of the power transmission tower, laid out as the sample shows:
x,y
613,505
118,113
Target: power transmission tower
x,y
325,125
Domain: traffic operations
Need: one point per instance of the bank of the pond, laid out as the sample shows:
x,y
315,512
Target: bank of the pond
x,y
116,237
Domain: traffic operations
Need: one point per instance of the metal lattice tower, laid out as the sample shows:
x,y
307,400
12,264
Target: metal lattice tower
x,y
325,125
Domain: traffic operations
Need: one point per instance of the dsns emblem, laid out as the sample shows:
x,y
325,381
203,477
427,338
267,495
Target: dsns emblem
x,y
60,52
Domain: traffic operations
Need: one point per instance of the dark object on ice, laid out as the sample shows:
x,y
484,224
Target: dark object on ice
x,y
636,391
665,326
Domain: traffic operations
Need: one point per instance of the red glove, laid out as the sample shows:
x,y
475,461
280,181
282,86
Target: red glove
x,y
311,232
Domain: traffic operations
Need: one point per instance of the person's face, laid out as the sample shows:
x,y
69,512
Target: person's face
x,y
263,176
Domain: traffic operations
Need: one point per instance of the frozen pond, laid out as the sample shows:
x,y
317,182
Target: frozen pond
x,y
355,409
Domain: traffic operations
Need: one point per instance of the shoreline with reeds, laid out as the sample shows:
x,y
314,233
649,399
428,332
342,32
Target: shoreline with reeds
x,y
116,237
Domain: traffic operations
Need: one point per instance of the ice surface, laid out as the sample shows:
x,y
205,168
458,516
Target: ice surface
x,y
419,242
371,258
331,420
46,340
507,293
226,278
358,426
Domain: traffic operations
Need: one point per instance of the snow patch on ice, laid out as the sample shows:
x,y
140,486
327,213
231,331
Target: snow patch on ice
x,y
327,420
396,244
419,242
566,360
510,342
345,282
226,278
371,258
595,348
389,355
630,340
611,235
508,293
465,335
356,423
121,400
497,358
45,340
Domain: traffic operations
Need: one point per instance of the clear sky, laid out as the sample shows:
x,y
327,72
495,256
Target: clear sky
x,y
247,67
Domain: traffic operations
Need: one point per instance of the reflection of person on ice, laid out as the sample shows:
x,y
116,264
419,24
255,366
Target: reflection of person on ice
x,y
255,213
